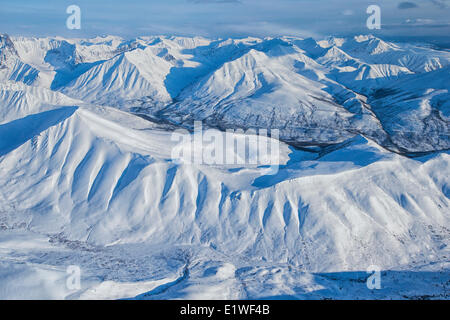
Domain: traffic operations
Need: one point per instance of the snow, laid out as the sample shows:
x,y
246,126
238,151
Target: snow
x,y
85,181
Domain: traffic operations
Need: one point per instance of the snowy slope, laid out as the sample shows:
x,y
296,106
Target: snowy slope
x,y
18,100
128,76
87,179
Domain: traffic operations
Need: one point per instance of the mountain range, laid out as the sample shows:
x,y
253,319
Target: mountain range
x,y
87,175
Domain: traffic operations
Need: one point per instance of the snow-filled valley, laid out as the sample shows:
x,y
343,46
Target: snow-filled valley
x,y
88,177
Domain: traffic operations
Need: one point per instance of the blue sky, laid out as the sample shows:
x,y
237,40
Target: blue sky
x,y
225,18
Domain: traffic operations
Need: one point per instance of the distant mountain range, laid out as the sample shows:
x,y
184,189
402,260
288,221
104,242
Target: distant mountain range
x,y
316,92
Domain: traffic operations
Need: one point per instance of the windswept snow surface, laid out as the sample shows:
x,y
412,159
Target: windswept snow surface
x,y
88,176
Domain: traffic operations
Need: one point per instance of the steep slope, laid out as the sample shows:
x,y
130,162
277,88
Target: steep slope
x,y
128,76
11,67
18,100
415,111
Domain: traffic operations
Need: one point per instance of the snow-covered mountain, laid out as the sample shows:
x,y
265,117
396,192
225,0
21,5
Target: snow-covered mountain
x,y
88,177
315,92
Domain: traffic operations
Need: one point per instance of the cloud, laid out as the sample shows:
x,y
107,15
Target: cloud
x,y
440,3
348,12
214,1
268,29
407,5
421,22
